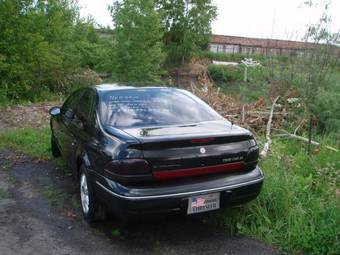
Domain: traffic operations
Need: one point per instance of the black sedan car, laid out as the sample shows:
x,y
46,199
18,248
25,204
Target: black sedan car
x,y
141,150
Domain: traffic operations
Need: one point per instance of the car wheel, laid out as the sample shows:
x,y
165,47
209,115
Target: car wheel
x,y
55,149
87,199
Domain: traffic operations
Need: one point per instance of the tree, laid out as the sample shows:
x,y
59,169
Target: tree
x,y
315,68
138,47
187,26
43,45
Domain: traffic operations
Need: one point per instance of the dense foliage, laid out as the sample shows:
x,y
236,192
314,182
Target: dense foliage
x,y
46,47
42,44
187,26
149,32
138,49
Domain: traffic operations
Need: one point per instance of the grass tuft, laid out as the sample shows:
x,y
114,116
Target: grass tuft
x,y
55,197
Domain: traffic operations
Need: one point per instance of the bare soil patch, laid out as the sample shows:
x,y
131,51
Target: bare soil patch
x,y
19,116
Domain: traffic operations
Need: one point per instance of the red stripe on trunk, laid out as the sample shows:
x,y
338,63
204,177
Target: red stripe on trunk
x,y
171,174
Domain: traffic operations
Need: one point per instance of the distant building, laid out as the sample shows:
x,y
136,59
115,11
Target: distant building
x,y
244,45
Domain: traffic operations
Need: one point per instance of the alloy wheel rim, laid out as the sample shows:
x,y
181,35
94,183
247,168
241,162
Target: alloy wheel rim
x,y
84,193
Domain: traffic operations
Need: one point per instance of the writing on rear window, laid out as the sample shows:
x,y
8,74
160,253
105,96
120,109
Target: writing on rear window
x,y
135,104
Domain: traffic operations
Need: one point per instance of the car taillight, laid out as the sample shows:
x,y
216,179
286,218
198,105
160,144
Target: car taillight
x,y
128,167
251,158
253,154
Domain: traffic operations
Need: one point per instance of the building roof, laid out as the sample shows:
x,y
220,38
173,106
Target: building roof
x,y
257,42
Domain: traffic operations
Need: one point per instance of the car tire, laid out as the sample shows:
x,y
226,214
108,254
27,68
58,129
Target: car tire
x,y
55,149
89,205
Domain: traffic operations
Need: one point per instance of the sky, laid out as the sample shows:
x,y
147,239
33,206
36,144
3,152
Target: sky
x,y
277,19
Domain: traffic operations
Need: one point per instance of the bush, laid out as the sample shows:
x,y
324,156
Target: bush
x,y
220,73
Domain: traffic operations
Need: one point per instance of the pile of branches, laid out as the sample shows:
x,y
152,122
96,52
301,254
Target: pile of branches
x,y
253,116
261,117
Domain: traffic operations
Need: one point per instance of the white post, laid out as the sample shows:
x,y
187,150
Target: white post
x,y
248,62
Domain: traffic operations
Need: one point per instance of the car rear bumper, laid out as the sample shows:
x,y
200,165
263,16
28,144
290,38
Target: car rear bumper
x,y
235,188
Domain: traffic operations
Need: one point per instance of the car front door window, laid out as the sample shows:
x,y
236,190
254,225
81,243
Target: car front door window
x,y
69,107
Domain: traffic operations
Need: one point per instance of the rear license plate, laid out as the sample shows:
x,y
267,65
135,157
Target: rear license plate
x,y
203,203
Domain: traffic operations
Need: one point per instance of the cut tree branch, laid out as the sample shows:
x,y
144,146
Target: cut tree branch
x,y
266,147
304,139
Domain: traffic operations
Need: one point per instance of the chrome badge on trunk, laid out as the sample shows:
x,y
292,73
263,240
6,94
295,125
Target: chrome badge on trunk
x,y
232,159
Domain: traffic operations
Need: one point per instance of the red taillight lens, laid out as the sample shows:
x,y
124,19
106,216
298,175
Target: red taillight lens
x,y
128,167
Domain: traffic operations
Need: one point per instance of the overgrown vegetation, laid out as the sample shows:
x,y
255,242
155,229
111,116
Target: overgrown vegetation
x,y
231,74
298,209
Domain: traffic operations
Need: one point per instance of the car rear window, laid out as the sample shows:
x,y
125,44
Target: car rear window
x,y
152,107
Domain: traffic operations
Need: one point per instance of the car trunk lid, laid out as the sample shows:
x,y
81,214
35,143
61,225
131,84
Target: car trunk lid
x,y
196,149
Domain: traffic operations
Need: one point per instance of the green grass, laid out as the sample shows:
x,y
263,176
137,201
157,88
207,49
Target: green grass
x,y
244,92
33,142
297,209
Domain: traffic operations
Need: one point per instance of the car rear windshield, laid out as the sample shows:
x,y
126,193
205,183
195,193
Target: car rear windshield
x,y
152,107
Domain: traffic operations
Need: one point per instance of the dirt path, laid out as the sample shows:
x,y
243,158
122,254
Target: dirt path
x,y
18,116
39,214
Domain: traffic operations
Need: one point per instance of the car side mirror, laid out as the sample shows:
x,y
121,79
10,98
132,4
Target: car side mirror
x,y
55,111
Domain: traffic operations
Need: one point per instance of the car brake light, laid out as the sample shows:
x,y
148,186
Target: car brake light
x,y
128,167
203,140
